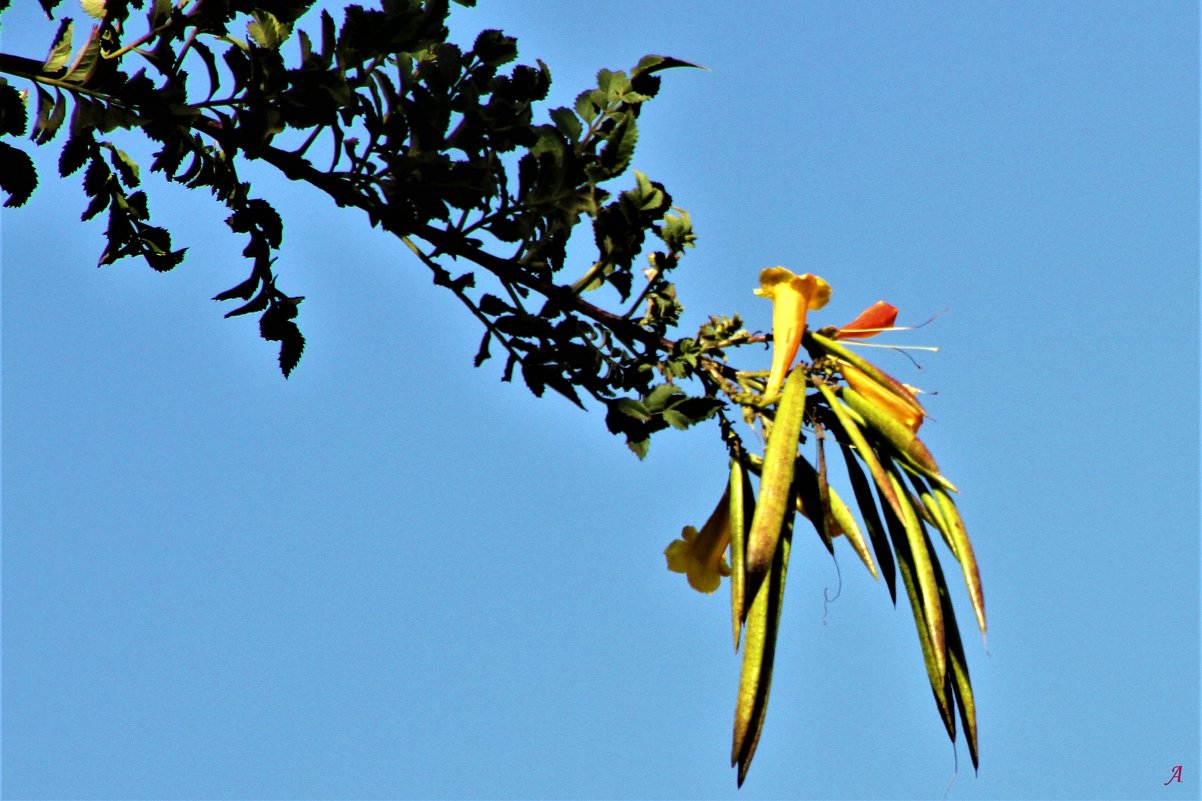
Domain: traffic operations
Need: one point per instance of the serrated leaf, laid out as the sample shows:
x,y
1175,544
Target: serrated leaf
x,y
96,177
74,154
494,48
97,204
165,261
493,306
632,408
85,63
18,177
159,11
242,291
94,8
589,104
676,419
533,378
568,123
52,110
658,397
125,166
136,204
14,116
292,347
267,30
60,50
482,353
258,303
329,37
618,149
210,62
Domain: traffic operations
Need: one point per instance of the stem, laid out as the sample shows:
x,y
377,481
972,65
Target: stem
x,y
148,36
443,277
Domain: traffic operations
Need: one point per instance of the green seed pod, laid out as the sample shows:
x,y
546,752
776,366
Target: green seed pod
x,y
893,431
807,475
817,342
924,573
759,651
742,509
867,455
776,481
962,548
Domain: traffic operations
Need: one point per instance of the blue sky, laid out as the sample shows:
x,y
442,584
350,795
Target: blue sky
x,y
393,576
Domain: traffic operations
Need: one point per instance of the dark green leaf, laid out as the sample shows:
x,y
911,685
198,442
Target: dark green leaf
x,y
495,48
98,203
13,114
74,154
482,353
568,123
259,303
632,408
872,519
17,175
494,306
658,397
275,326
96,177
243,290
206,55
164,261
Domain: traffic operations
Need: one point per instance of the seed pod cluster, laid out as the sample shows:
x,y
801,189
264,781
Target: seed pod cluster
x,y
873,421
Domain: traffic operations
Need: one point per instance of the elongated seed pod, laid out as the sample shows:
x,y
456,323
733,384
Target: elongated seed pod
x,y
809,501
881,396
742,507
924,573
830,347
962,548
905,566
904,443
759,651
958,665
806,474
892,430
928,508
776,481
867,455
872,520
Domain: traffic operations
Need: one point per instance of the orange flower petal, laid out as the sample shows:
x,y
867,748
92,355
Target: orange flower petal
x,y
870,322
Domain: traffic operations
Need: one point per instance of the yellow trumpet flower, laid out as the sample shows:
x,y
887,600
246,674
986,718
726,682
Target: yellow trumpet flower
x,y
700,554
792,298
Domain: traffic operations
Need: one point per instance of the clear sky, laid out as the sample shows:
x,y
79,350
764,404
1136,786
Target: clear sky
x,y
393,576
